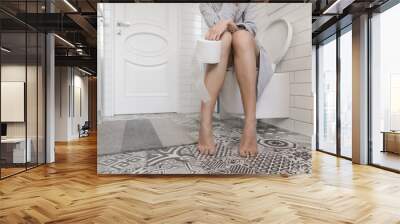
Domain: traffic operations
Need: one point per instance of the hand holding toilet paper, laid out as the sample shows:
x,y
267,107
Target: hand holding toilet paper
x,y
207,52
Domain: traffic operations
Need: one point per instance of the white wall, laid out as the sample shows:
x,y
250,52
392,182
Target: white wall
x,y
62,81
15,72
191,29
80,82
297,62
67,79
33,126
105,60
100,60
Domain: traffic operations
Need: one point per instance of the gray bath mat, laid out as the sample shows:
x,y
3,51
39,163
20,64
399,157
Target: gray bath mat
x,y
118,136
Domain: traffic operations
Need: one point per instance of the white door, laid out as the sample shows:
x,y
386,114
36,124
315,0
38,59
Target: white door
x,y
145,58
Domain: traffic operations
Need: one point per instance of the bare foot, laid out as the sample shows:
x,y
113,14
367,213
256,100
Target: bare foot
x,y
248,142
206,139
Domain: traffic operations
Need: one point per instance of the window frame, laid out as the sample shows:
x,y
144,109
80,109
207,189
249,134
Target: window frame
x,y
334,37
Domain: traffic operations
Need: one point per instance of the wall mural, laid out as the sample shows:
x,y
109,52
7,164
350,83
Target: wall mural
x,y
238,103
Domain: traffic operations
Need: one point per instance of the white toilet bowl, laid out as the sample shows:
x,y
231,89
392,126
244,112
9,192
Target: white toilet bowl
x,y
276,40
275,99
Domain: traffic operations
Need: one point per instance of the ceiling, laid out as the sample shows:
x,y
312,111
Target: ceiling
x,y
75,43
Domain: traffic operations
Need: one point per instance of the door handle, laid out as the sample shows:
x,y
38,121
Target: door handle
x,y
123,24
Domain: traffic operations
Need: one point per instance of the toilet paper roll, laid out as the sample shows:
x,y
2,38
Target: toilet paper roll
x,y
207,52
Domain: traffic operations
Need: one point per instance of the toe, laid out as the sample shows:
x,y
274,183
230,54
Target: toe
x,y
212,151
206,150
253,153
201,149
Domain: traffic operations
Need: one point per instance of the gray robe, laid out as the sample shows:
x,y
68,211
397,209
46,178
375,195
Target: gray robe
x,y
243,14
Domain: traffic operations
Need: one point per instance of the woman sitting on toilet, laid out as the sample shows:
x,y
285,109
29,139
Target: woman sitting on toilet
x,y
233,24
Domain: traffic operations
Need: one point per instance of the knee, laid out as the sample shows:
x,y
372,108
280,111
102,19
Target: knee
x,y
242,41
226,38
226,42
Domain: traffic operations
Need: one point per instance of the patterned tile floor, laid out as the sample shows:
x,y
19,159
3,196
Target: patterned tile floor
x,y
280,152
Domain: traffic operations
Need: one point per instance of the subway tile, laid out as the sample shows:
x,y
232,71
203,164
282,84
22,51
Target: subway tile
x,y
285,123
301,38
294,64
302,115
304,128
304,102
300,89
291,77
303,50
269,8
303,76
285,11
302,11
304,24
292,101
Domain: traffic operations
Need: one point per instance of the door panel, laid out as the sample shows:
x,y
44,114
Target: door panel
x,y
145,54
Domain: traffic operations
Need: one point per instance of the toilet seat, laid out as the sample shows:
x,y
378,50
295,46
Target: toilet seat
x,y
278,43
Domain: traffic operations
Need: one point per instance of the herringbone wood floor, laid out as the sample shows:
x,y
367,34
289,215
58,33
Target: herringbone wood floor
x,y
70,191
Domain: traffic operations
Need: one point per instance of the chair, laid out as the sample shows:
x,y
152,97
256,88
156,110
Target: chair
x,y
84,130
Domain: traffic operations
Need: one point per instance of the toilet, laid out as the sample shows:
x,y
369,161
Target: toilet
x,y
275,99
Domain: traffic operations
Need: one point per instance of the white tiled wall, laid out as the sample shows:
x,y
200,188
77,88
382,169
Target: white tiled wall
x,y
297,62
105,60
191,30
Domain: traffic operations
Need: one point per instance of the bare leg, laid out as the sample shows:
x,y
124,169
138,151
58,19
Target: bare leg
x,y
214,79
244,49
